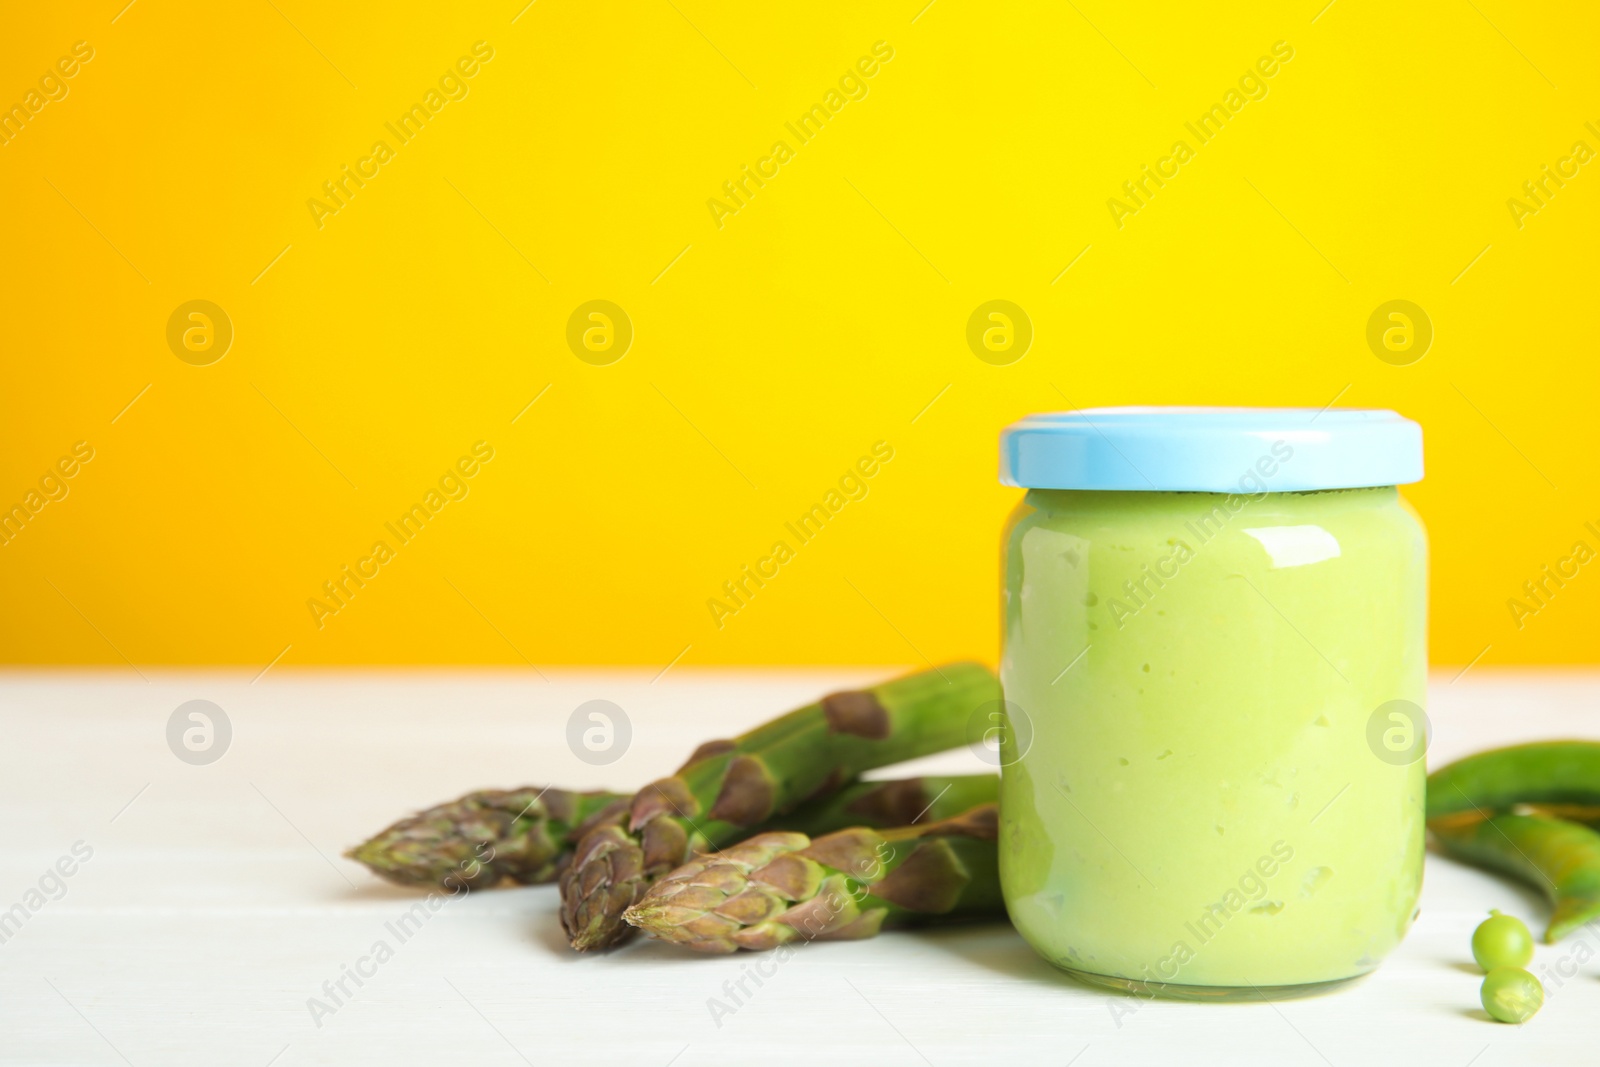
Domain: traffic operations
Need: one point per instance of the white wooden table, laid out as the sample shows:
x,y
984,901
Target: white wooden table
x,y
215,903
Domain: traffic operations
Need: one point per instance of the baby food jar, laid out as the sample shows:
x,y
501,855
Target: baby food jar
x,y
1214,668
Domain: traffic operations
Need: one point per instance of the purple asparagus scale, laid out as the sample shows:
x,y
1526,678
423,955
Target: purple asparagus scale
x,y
485,839
781,887
729,788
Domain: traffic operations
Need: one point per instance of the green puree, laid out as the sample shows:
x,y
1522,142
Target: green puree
x,y
1199,802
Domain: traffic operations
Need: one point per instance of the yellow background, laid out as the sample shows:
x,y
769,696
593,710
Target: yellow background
x,y
773,352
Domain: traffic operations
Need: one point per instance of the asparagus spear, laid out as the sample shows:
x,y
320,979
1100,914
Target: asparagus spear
x,y
523,836
894,802
486,839
778,887
729,787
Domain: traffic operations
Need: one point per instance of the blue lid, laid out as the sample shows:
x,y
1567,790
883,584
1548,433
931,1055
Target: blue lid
x,y
1212,450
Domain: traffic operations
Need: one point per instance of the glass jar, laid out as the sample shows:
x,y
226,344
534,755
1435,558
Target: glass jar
x,y
1214,669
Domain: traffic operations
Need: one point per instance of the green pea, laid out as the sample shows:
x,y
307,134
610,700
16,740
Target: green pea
x,y
1511,994
1502,941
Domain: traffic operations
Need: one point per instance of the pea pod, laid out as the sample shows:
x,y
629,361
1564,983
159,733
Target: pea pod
x,y
1588,814
1544,772
1561,858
